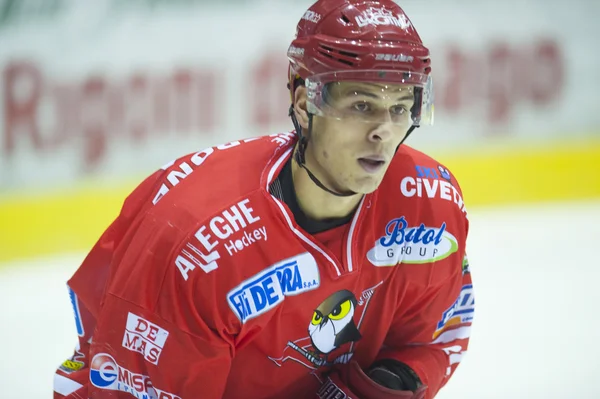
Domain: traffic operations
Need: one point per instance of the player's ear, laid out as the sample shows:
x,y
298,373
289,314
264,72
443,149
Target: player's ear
x,y
300,106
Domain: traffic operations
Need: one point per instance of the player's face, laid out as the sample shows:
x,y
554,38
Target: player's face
x,y
354,148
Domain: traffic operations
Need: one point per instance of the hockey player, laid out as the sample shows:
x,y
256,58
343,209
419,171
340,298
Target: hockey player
x,y
327,262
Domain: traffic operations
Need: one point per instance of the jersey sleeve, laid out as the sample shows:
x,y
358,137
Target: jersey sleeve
x,y
154,329
86,288
432,336
158,332
136,351
88,284
95,268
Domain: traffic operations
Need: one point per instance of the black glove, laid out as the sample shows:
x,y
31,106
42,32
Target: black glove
x,y
393,374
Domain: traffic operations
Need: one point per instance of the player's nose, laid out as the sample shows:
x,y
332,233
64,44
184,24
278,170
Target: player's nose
x,y
383,132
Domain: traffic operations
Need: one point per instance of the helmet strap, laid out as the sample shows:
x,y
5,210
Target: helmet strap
x,y
300,153
410,130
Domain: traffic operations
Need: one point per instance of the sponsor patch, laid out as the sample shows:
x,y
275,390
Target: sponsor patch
x,y
460,312
444,173
105,373
412,245
431,188
70,365
426,172
266,290
234,227
144,337
245,240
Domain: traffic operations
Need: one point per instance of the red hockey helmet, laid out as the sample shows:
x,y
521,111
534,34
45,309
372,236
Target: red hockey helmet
x,y
370,41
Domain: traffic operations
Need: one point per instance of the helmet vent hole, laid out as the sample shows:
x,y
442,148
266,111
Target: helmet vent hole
x,y
345,19
347,54
337,54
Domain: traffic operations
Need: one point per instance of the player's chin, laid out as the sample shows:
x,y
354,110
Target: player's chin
x,y
366,184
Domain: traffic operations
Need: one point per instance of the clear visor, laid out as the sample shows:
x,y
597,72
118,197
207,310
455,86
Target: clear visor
x,y
372,96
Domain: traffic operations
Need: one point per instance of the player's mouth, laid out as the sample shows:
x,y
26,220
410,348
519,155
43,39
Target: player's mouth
x,y
372,164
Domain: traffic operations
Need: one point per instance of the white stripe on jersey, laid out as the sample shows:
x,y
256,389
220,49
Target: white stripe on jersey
x,y
65,386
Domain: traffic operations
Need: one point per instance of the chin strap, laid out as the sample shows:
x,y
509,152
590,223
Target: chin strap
x,y
300,157
410,130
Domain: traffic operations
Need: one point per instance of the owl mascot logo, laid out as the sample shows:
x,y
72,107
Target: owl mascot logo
x,y
332,326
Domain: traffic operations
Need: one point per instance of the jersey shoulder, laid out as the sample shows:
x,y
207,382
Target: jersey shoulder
x,y
218,174
416,175
420,218
412,162
204,231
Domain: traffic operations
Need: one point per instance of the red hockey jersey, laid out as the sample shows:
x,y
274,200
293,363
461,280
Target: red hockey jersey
x,y
205,287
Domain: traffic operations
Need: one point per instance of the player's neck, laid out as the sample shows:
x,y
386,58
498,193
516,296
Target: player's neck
x,y
317,203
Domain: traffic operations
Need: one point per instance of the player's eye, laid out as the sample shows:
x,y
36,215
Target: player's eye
x,y
340,311
317,318
398,110
361,106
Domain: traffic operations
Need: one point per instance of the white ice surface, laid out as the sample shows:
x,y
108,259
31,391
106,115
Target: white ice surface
x,y
536,273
